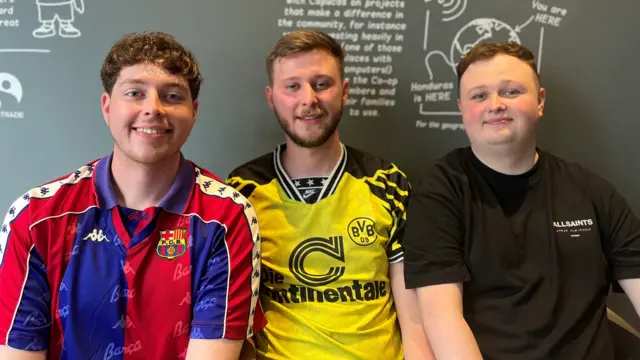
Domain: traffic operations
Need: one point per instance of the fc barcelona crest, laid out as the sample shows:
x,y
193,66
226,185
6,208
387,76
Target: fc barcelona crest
x,y
172,243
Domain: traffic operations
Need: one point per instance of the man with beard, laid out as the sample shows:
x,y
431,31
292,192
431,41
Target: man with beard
x,y
331,220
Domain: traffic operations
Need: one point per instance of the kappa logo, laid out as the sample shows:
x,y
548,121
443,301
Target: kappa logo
x,y
124,322
96,235
126,267
36,345
362,231
35,319
186,300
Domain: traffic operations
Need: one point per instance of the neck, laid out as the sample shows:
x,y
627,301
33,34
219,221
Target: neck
x,y
301,162
140,186
508,160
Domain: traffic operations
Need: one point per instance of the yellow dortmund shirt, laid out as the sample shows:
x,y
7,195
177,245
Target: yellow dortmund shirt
x,y
325,266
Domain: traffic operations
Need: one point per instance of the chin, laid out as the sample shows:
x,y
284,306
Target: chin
x,y
151,157
316,140
308,143
500,141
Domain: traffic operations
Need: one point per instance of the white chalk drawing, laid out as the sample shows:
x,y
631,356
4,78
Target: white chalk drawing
x,y
473,33
25,50
451,9
478,30
10,84
60,13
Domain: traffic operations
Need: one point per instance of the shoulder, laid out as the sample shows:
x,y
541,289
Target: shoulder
x,y
372,168
70,193
575,174
447,173
214,201
455,163
212,193
260,170
257,172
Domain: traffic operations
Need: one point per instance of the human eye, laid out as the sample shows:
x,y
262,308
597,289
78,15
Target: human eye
x,y
478,96
291,87
173,96
511,92
133,93
322,85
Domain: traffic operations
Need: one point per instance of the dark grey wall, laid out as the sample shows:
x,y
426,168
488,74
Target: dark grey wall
x,y
587,52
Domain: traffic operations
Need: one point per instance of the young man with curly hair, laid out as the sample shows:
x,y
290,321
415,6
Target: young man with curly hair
x,y
140,254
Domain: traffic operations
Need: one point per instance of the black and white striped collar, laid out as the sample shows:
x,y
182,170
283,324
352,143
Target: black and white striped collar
x,y
329,186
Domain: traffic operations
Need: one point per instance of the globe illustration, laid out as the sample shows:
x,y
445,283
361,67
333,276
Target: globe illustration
x,y
477,31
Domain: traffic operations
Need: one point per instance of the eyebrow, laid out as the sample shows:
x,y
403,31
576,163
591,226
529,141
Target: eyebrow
x,y
315,77
502,82
170,84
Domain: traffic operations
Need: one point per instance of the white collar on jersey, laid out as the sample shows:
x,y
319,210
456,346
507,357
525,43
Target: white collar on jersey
x,y
328,188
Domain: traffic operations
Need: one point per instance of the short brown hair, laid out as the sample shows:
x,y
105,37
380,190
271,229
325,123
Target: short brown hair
x,y
302,41
487,51
158,48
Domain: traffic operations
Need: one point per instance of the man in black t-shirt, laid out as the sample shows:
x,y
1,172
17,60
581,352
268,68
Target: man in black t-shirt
x,y
512,249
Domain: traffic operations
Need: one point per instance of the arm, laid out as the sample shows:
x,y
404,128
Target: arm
x,y
232,277
14,354
620,232
435,266
218,349
25,318
414,340
631,287
441,307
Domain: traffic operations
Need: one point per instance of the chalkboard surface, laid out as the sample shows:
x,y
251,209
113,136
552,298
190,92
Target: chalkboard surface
x,y
401,59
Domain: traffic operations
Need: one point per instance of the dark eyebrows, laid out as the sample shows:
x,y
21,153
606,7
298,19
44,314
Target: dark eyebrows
x,y
170,84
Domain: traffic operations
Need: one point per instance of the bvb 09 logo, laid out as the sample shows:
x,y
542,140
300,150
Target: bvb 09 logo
x,y
362,231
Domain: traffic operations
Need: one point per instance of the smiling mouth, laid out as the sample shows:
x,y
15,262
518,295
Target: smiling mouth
x,y
498,121
318,113
312,117
151,131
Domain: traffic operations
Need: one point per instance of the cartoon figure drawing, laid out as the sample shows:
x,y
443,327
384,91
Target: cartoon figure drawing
x,y
63,11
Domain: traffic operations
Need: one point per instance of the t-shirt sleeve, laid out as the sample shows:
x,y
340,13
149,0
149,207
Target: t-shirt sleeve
x,y
25,298
433,236
397,196
619,229
226,303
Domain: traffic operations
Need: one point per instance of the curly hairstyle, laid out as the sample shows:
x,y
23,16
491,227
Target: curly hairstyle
x,y
156,47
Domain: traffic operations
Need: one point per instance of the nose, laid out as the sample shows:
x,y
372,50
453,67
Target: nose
x,y
152,105
495,103
309,96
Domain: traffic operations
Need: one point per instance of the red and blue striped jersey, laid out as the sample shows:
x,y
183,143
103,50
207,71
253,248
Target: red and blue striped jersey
x,y
84,278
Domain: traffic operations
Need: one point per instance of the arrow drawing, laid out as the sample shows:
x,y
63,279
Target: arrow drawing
x,y
520,27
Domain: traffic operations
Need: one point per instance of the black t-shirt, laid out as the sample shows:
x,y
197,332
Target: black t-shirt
x,y
536,254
